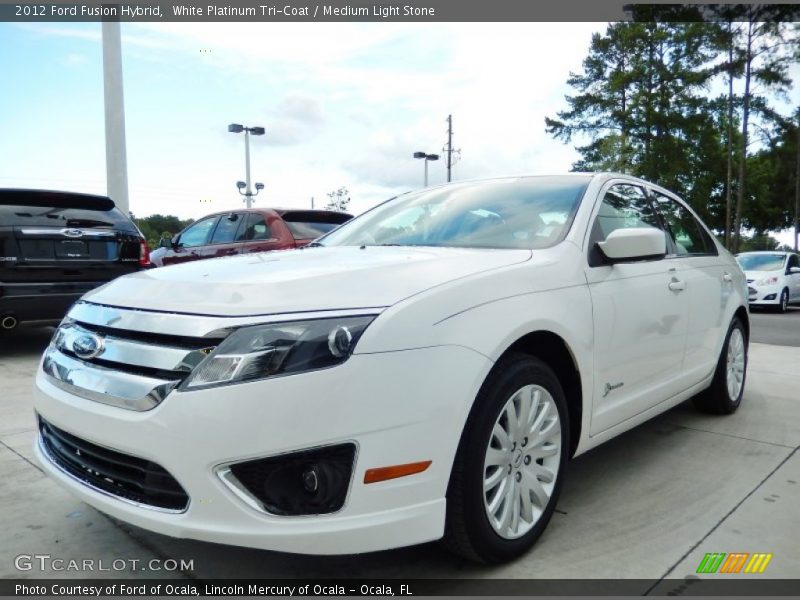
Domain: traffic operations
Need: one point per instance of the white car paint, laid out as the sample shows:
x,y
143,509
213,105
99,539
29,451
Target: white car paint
x,y
644,336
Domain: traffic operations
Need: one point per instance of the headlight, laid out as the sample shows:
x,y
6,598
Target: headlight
x,y
263,351
767,281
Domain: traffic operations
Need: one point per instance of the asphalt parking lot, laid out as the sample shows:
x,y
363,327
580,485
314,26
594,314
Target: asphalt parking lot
x,y
647,505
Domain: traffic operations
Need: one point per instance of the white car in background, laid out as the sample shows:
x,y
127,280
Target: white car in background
x,y
425,371
773,278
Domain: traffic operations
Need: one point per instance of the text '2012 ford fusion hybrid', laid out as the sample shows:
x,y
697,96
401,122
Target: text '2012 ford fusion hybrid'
x,y
424,371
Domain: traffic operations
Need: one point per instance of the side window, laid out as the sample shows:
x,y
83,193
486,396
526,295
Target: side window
x,y
197,234
225,232
794,261
255,228
624,206
688,235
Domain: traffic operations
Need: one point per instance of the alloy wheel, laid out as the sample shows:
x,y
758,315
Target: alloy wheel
x,y
735,363
522,461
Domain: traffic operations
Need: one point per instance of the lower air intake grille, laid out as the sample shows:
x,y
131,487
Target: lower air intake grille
x,y
122,475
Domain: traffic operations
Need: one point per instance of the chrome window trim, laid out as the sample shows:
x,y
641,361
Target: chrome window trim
x,y
104,385
46,453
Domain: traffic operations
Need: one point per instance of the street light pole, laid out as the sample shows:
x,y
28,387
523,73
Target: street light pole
x,y
114,106
248,193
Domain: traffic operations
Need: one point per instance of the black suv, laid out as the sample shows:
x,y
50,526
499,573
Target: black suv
x,y
56,246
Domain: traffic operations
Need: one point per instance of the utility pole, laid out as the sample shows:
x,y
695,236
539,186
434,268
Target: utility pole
x,y
116,161
449,147
312,202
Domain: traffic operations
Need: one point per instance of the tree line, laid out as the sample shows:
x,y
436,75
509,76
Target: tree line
x,y
689,102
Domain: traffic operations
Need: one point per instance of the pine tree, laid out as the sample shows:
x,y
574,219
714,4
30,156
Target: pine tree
x,y
765,69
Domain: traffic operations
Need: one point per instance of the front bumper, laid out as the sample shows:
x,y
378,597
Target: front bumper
x,y
397,407
763,295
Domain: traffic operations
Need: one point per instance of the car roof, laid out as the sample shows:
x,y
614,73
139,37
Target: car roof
x,y
54,198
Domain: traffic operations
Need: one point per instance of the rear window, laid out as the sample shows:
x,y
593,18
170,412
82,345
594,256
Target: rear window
x,y
310,225
51,209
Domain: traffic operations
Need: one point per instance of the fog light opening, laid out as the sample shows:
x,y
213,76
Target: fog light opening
x,y
308,482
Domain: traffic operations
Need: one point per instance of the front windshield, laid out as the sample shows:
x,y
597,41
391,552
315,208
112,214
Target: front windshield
x,y
761,262
529,212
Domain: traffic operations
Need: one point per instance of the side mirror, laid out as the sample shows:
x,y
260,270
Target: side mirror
x,y
165,242
637,243
794,270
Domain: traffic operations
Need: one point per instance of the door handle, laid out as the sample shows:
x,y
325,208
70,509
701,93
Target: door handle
x,y
676,285
727,277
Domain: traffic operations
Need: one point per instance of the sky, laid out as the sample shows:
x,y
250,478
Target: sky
x,y
343,104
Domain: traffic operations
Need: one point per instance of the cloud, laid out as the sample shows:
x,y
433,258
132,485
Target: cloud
x,y
73,59
296,119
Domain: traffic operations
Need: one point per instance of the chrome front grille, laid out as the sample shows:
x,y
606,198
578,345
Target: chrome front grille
x,y
134,368
134,358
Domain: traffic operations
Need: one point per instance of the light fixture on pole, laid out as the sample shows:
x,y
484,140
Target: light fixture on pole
x,y
241,185
427,158
248,193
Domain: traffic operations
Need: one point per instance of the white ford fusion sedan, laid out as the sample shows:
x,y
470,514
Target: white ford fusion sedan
x,y
425,371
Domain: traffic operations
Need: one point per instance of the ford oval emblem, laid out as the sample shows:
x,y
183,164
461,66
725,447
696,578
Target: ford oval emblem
x,y
87,346
72,232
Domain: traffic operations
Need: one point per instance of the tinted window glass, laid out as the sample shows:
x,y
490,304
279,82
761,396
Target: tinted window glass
x,y
255,228
303,230
312,224
526,212
687,233
623,207
38,216
794,261
197,234
226,229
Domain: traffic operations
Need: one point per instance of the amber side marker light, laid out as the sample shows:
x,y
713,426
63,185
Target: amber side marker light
x,y
393,472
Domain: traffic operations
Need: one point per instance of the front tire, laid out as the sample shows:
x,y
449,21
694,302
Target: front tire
x,y
725,394
783,303
510,464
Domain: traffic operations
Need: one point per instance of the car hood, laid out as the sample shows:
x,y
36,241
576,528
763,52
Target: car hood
x,y
309,279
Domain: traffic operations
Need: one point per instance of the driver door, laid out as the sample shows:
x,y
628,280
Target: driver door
x,y
640,315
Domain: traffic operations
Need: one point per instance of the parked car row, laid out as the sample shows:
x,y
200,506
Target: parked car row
x,y
246,231
56,246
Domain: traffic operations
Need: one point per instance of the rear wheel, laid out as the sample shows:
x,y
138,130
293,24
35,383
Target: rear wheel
x,y
509,468
725,394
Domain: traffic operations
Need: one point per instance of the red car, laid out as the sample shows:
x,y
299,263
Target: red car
x,y
247,230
